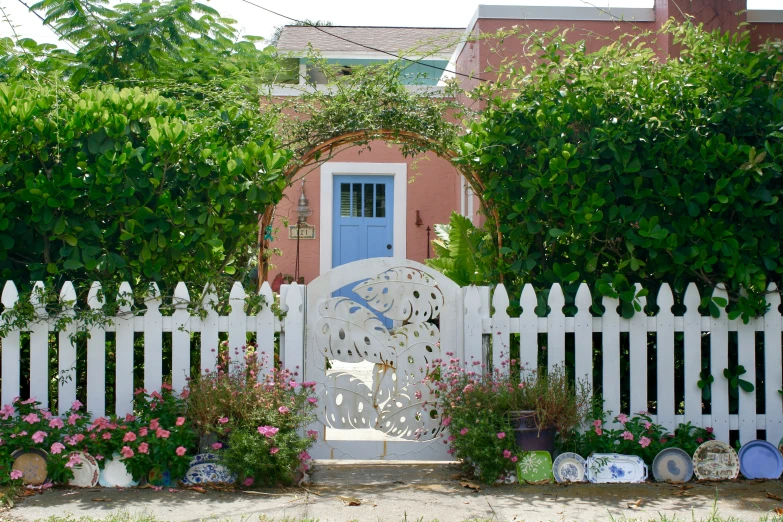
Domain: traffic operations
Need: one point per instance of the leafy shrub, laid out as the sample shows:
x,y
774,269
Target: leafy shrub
x,y
258,418
614,167
638,435
476,409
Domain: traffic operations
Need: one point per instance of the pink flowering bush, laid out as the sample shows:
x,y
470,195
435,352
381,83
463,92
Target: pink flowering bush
x,y
24,425
476,409
258,414
634,435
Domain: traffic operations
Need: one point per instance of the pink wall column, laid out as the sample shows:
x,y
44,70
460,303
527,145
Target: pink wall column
x,y
433,189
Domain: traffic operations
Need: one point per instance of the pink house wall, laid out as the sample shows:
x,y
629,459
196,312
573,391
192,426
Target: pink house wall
x,y
433,189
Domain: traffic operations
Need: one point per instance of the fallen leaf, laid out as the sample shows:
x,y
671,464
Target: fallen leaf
x,y
779,511
350,501
637,504
470,485
198,490
773,496
466,502
101,499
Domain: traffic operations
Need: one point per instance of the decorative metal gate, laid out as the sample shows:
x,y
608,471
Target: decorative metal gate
x,y
373,404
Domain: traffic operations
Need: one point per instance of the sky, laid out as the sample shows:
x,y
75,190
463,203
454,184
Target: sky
x,y
255,21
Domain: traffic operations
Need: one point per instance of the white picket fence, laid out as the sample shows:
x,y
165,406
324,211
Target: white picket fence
x,y
480,335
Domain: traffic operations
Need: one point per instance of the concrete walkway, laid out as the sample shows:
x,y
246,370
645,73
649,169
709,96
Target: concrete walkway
x,y
426,492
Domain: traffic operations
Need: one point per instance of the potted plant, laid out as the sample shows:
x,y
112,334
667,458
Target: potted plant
x,y
493,418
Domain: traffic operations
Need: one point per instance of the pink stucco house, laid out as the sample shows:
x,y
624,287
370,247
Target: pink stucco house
x,y
379,203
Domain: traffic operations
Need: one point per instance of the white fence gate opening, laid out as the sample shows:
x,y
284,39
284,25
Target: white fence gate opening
x,y
366,398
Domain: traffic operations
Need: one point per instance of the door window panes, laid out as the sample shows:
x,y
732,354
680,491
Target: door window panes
x,y
356,200
368,199
380,200
345,199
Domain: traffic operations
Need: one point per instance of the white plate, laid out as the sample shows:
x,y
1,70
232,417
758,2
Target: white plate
x,y
604,468
569,467
86,474
115,474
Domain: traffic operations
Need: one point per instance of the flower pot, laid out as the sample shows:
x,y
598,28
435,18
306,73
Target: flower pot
x,y
527,433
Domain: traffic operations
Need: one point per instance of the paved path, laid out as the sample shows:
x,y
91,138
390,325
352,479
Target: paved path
x,y
419,492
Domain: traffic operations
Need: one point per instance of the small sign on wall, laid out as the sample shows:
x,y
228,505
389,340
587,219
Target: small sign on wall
x,y
303,231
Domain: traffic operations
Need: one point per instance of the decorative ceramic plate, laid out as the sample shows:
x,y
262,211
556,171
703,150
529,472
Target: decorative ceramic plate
x,y
672,465
86,474
32,463
715,460
201,458
115,474
535,467
569,467
605,468
160,478
760,460
208,472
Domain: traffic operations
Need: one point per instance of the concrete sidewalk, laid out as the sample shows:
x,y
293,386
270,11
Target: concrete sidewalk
x,y
426,492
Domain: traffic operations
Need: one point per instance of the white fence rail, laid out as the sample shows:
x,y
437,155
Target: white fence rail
x,y
483,336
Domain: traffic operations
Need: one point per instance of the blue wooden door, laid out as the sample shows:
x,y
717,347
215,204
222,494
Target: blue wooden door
x,y
363,222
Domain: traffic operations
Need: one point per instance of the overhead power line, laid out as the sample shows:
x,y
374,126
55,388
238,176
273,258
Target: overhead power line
x,y
319,28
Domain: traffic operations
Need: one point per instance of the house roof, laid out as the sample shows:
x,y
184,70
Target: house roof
x,y
333,39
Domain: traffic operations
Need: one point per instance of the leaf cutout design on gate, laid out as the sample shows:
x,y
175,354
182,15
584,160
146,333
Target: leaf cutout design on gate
x,y
412,414
348,403
403,294
349,332
397,402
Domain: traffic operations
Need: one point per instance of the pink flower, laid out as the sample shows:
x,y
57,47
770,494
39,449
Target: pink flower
x,y
312,400
599,431
268,431
29,401
514,459
699,440
273,451
56,423
501,435
76,405
709,430
106,435
129,437
304,456
180,451
16,474
445,422
39,436
56,448
154,424
622,418
47,414
248,482
597,423
72,418
418,395
506,454
627,435
129,417
139,391
644,442
7,411
126,452
647,425
216,445
283,410
144,448
31,418
142,432
293,384
180,421
75,460
312,434
223,420
162,434
309,384
98,457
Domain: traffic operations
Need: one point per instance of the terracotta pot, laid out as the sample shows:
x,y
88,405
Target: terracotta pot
x,y
527,433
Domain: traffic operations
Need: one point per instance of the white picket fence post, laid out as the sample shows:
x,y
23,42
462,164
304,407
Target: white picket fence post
x,y
39,347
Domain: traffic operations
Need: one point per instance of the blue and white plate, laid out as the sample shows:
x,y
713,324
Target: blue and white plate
x,y
760,460
201,458
672,465
604,468
208,473
569,467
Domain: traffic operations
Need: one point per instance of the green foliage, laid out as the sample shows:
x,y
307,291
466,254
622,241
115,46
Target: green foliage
x,y
130,185
614,168
463,252
636,435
